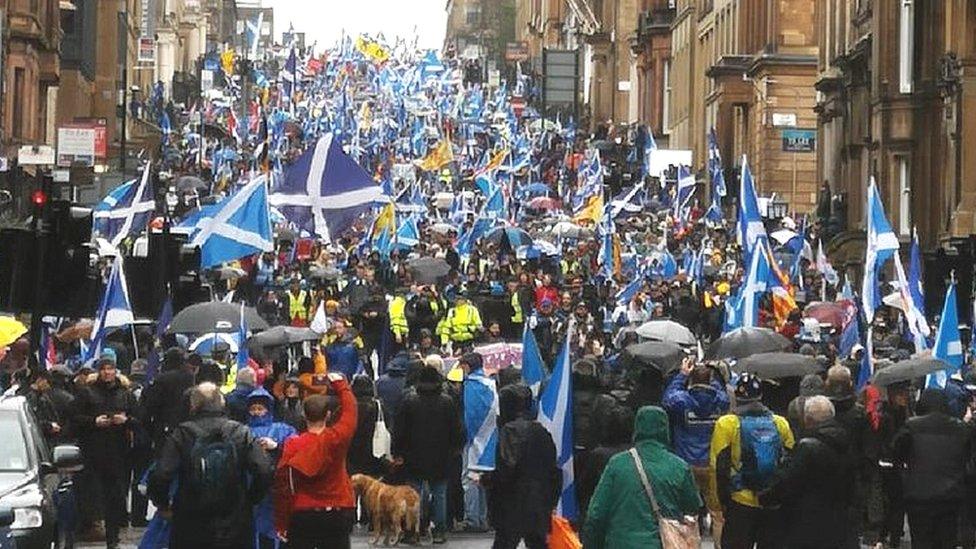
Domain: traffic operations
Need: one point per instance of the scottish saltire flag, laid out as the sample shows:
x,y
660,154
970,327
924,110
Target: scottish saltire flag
x,y
125,211
629,201
715,166
480,417
532,370
289,76
882,244
235,227
114,311
253,32
915,274
685,189
751,228
162,323
948,345
556,415
325,190
408,235
742,310
242,354
644,147
824,267
850,337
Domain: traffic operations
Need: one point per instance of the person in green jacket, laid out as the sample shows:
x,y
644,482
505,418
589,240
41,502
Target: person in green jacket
x,y
619,515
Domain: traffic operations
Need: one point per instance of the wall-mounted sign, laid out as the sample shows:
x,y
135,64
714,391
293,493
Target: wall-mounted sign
x,y
147,49
799,140
784,119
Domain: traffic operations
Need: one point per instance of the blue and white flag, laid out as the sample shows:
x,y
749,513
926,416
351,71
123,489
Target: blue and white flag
x,y
253,32
715,166
948,345
114,311
325,190
915,275
685,190
882,244
242,353
480,420
235,227
751,228
630,201
125,211
289,76
556,415
532,370
408,235
742,310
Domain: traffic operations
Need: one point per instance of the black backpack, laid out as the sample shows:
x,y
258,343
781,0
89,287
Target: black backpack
x,y
214,482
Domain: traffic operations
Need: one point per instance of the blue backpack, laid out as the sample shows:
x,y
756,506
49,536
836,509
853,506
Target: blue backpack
x,y
761,449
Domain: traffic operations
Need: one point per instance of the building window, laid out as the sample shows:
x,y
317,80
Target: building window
x,y
906,33
904,195
472,17
19,99
666,102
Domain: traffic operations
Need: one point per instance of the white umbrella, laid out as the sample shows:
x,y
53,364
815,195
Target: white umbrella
x,y
667,330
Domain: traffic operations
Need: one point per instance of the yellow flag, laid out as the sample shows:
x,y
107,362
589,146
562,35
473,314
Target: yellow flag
x,y
592,211
227,62
496,160
372,49
386,220
441,156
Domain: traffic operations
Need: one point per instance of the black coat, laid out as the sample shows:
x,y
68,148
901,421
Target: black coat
x,y
816,486
165,402
360,458
524,487
937,450
428,430
105,447
224,527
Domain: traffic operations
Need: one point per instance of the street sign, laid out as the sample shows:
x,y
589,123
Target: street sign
x,y
781,119
100,125
76,147
560,69
517,51
61,176
147,49
802,141
35,155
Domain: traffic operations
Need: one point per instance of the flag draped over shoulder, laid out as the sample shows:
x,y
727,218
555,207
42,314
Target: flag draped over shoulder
x,y
556,415
480,420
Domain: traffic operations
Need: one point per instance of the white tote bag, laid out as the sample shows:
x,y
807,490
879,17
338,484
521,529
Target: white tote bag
x,y
381,435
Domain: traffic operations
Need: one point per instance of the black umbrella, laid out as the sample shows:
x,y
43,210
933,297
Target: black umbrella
x,y
283,335
743,342
426,270
661,355
214,316
191,183
214,131
777,365
907,370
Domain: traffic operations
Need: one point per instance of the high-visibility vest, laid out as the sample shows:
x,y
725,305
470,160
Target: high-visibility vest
x,y
398,316
517,307
296,306
464,322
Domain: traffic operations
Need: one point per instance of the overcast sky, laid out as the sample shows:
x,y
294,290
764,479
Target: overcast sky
x,y
324,20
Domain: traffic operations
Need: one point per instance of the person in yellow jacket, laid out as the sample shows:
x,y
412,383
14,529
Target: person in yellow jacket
x,y
746,450
398,319
462,323
298,301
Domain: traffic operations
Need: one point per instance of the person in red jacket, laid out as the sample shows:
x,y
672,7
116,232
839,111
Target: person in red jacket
x,y
314,505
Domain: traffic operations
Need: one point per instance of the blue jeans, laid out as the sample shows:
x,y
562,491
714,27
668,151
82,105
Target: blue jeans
x,y
475,502
433,503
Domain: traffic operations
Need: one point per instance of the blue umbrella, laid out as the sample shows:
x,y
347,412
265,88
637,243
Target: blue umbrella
x,y
535,189
516,237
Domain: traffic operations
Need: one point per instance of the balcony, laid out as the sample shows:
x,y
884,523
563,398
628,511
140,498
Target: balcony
x,y
653,22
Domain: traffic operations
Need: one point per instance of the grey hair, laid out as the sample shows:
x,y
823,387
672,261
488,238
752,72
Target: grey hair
x,y
817,409
206,397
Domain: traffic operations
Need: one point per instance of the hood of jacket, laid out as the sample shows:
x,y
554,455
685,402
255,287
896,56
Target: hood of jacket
x,y
708,399
651,425
811,385
832,434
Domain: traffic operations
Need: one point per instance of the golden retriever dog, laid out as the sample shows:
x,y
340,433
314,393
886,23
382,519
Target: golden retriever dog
x,y
393,509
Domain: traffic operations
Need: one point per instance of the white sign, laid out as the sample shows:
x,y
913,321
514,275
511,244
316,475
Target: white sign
x,y
147,49
784,119
62,176
623,86
76,146
33,155
206,80
494,79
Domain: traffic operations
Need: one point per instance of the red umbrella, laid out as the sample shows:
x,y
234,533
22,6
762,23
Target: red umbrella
x,y
544,203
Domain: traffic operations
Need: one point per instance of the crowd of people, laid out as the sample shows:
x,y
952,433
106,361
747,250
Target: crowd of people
x,y
398,383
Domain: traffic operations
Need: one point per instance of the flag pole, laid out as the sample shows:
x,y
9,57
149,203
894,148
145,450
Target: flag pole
x,y
135,341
